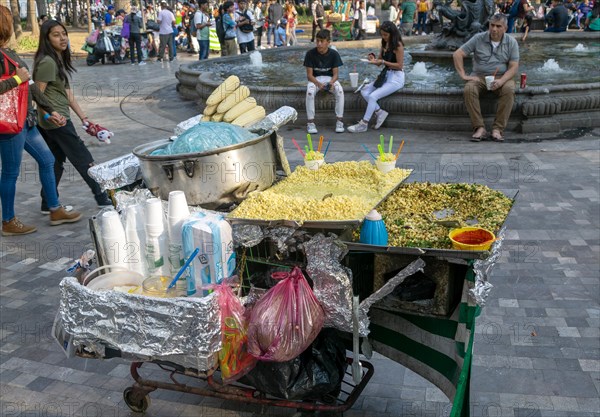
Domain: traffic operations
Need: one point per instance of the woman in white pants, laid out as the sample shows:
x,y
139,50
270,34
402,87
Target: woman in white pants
x,y
390,80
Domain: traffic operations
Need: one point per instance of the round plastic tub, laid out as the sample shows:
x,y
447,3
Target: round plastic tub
x,y
471,238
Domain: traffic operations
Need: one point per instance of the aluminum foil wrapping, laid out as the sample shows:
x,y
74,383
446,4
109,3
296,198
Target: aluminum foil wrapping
x,y
186,331
125,199
332,282
247,235
280,235
117,173
365,305
186,124
273,121
482,268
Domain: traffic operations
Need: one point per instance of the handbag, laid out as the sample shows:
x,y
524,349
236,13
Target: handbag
x,y
380,78
125,30
13,105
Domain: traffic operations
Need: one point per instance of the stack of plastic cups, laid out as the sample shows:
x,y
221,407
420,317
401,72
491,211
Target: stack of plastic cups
x,y
156,239
177,213
113,239
136,239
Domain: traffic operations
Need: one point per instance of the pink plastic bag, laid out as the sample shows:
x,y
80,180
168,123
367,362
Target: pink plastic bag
x,y
93,38
286,320
234,360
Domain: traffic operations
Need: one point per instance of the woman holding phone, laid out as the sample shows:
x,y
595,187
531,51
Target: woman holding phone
x,y
390,80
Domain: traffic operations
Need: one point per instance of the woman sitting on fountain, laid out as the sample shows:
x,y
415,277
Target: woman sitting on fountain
x,y
390,80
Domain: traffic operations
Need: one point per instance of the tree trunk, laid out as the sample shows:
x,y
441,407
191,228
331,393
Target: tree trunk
x,y
32,19
89,17
75,21
14,7
41,6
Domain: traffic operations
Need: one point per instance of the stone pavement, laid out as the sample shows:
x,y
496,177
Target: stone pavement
x,y
537,347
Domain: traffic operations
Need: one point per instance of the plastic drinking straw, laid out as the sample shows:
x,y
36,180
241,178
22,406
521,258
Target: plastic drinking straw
x,y
380,150
309,142
184,267
320,143
367,149
399,149
382,141
306,149
298,147
326,149
391,142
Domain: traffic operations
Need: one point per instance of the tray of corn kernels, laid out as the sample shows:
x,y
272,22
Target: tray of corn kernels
x,y
420,215
338,194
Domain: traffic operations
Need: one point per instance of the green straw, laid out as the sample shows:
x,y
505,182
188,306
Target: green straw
x,y
391,142
309,139
380,151
306,149
382,141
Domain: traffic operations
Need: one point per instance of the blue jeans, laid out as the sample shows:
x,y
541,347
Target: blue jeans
x,y
271,31
204,46
421,20
11,153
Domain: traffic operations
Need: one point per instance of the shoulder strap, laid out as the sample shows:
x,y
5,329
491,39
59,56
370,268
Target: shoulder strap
x,y
5,64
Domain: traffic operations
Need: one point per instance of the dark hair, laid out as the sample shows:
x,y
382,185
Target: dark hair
x,y
596,9
324,34
6,25
395,36
65,68
227,5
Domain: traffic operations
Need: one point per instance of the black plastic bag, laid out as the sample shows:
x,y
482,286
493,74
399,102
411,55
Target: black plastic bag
x,y
316,374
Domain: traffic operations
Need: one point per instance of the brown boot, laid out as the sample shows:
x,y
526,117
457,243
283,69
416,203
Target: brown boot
x,y
14,227
61,216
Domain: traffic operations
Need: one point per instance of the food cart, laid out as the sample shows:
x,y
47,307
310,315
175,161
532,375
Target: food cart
x,y
372,294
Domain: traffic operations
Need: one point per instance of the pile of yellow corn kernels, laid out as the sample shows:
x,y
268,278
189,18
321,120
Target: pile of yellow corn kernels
x,y
409,212
335,192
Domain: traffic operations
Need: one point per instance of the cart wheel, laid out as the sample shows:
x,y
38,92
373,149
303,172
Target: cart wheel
x,y
134,402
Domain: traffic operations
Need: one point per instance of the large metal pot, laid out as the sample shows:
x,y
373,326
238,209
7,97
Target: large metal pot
x,y
210,179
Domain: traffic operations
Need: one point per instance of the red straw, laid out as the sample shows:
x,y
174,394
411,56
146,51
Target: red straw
x,y
298,147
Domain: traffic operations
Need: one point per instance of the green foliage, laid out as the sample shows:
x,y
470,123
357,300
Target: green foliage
x,y
27,43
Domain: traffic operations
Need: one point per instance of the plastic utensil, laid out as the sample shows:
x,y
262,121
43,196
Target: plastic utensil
x,y
298,147
391,144
310,145
367,149
183,268
326,149
380,147
382,141
320,143
306,149
399,149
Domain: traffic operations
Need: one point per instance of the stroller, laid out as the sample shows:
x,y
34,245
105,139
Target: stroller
x,y
106,47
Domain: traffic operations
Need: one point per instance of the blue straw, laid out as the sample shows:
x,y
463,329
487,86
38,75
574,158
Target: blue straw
x,y
183,268
326,149
367,149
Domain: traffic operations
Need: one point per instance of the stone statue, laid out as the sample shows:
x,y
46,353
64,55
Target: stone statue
x,y
472,18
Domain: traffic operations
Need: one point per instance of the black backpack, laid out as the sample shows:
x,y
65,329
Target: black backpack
x,y
220,29
248,27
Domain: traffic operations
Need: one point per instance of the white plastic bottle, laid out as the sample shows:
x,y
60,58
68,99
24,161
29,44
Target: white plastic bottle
x,y
113,238
156,239
135,250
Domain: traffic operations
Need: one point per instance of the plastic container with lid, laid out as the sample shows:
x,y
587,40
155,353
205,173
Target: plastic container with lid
x,y
156,286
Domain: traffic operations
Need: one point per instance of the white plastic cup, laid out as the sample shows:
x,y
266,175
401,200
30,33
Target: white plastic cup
x,y
488,81
386,166
178,206
314,164
154,217
113,238
354,79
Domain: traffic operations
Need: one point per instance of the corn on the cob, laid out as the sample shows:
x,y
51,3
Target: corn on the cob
x,y
242,107
205,118
252,116
234,98
217,117
226,88
210,110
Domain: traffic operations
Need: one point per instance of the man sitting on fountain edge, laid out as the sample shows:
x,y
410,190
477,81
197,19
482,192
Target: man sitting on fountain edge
x,y
322,69
494,53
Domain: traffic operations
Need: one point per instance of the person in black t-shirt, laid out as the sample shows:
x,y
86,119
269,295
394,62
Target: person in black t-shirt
x,y
322,64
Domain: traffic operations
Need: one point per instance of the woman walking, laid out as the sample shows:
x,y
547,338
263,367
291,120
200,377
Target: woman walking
x,y
291,17
390,80
12,145
52,72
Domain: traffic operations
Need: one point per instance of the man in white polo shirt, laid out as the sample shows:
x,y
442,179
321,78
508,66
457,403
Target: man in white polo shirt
x,y
166,20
